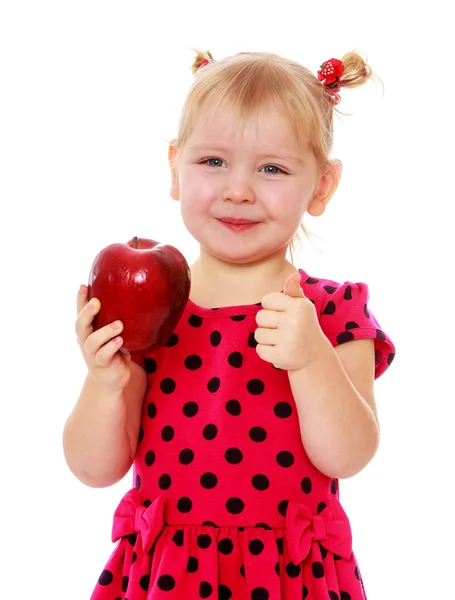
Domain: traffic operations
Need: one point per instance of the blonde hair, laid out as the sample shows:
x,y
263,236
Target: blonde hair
x,y
249,81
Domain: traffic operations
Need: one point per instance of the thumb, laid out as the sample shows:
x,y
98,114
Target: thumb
x,y
292,286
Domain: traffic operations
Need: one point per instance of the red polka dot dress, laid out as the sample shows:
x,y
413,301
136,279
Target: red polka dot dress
x,y
226,504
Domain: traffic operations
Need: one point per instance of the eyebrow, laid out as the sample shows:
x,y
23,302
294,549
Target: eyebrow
x,y
262,156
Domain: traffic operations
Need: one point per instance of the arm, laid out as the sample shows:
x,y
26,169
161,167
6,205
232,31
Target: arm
x,y
335,404
100,436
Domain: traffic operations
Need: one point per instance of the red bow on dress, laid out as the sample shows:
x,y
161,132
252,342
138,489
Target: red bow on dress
x,y
331,527
132,517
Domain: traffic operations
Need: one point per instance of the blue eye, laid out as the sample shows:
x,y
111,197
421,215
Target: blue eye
x,y
278,170
212,160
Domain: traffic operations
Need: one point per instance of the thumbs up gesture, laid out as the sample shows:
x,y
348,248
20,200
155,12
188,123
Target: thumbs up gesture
x,y
288,335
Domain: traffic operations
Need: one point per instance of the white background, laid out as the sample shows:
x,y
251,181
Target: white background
x,y
89,94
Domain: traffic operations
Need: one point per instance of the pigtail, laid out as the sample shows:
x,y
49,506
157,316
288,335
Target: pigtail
x,y
356,70
202,58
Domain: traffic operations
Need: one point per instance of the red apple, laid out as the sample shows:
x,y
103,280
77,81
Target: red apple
x,y
144,284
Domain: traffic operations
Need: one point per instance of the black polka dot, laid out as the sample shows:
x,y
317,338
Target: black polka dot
x,y
260,482
132,539
252,343
351,325
333,595
205,589
225,546
214,384
306,485
242,570
190,409
293,570
167,433
282,507
209,481
238,317
193,362
210,432
380,335
141,435
256,547
224,593
285,458
177,538
184,505
215,338
167,385
279,545
125,580
233,456
255,387
257,434
259,593
390,358
323,551
329,309
150,365
138,482
166,583
345,336
235,506
147,503
318,570
321,507
304,592
233,407
348,292
277,568
235,359
344,595
283,410
195,321
133,557
151,410
331,289
172,341
106,578
164,482
333,486
144,582
192,565
204,541
186,456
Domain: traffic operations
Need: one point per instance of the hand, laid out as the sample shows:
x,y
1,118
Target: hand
x,y
289,334
100,349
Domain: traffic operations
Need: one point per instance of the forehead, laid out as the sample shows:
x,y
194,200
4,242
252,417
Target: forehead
x,y
262,127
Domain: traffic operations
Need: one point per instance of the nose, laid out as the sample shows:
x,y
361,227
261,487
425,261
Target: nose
x,y
238,190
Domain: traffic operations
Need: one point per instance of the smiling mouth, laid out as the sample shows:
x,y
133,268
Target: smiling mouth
x,y
238,225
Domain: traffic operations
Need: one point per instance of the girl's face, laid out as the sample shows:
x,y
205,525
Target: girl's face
x,y
255,171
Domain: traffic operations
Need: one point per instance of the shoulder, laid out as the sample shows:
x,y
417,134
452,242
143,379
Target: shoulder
x,y
344,314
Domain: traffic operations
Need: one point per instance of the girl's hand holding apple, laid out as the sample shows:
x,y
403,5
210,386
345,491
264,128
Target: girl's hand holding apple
x,y
105,364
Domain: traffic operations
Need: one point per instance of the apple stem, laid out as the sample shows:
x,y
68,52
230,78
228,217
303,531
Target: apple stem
x,y
135,244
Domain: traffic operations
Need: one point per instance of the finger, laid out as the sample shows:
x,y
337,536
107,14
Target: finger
x,y
265,337
104,356
82,297
96,340
292,286
84,319
268,318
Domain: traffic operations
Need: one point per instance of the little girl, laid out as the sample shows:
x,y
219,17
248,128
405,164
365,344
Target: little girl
x,y
240,427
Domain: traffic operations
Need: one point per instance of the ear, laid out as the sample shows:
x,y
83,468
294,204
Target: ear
x,y
326,188
171,155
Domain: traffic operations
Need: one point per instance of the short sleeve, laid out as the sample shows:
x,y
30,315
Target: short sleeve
x,y
345,316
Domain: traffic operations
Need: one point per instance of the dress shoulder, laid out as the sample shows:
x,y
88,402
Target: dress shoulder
x,y
344,315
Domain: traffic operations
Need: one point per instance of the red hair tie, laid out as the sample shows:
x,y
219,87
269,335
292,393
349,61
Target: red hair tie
x,y
203,63
330,73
